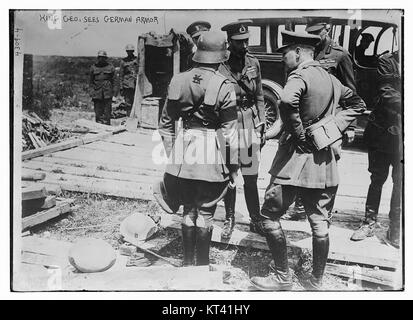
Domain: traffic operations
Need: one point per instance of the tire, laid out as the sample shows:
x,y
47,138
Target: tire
x,y
273,121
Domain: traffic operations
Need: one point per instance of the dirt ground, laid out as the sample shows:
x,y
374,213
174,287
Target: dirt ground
x,y
100,216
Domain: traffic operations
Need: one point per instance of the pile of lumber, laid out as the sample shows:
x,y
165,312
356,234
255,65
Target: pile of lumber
x,y
38,204
37,133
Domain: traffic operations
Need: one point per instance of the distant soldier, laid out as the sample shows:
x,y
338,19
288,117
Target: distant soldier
x,y
383,137
102,76
360,51
337,61
244,71
195,30
301,164
128,75
203,156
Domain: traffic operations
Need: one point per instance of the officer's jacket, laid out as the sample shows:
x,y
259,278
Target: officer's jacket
x,y
206,148
128,72
307,93
383,131
249,73
337,61
101,81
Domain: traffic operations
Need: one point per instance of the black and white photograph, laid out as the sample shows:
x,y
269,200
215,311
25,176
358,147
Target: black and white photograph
x,y
207,150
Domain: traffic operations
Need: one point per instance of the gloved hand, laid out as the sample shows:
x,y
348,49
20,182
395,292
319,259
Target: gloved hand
x,y
350,135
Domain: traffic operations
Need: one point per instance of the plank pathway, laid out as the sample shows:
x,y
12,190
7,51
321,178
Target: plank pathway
x,y
127,164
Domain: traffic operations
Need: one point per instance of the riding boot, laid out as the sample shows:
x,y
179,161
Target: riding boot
x,y
188,244
229,201
253,202
321,247
203,241
281,278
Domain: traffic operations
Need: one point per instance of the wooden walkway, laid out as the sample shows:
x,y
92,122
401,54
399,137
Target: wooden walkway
x,y
127,164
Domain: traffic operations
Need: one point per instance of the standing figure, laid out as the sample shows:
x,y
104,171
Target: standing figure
x,y
195,30
360,51
203,155
102,76
308,100
244,71
337,61
128,74
383,137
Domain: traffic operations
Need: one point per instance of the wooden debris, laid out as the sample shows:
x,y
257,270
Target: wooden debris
x,y
61,207
33,176
34,192
35,205
92,125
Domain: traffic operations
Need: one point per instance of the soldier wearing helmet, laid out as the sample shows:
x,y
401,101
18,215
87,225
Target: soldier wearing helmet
x,y
102,76
202,156
244,71
128,75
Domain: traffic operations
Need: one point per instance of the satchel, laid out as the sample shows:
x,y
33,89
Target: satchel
x,y
324,132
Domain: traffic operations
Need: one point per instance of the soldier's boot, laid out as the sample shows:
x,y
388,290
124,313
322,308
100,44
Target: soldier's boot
x,y
280,278
203,241
393,234
253,203
297,213
229,201
368,226
188,244
321,247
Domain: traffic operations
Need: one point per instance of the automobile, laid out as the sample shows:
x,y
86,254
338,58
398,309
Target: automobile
x,y
265,38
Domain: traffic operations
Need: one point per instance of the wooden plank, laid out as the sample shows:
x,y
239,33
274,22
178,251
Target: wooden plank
x,y
92,125
33,140
34,192
71,143
51,189
60,172
32,206
43,216
50,247
381,277
147,279
32,176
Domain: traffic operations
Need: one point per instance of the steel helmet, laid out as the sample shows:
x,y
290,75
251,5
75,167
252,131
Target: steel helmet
x,y
211,48
102,53
138,227
92,255
130,47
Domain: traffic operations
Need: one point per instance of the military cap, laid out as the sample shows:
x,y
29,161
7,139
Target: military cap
x,y
197,27
102,53
317,23
129,47
296,38
237,30
367,36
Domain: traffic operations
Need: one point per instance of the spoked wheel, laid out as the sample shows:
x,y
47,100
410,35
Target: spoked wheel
x,y
273,121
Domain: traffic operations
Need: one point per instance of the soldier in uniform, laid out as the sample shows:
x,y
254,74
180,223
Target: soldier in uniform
x,y
102,75
128,75
203,156
383,138
195,29
337,61
309,95
243,70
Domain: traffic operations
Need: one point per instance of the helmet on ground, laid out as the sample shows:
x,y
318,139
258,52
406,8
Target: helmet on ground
x,y
138,227
92,255
211,48
102,53
130,47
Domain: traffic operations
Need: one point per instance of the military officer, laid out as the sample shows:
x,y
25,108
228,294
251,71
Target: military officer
x,y
309,95
203,156
195,29
336,61
384,144
102,76
243,70
128,75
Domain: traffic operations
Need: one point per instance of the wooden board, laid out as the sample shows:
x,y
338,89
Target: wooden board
x,y
92,125
43,216
36,191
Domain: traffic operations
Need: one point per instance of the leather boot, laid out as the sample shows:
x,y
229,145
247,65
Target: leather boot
x,y
320,254
188,244
393,234
281,278
253,203
203,241
229,201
